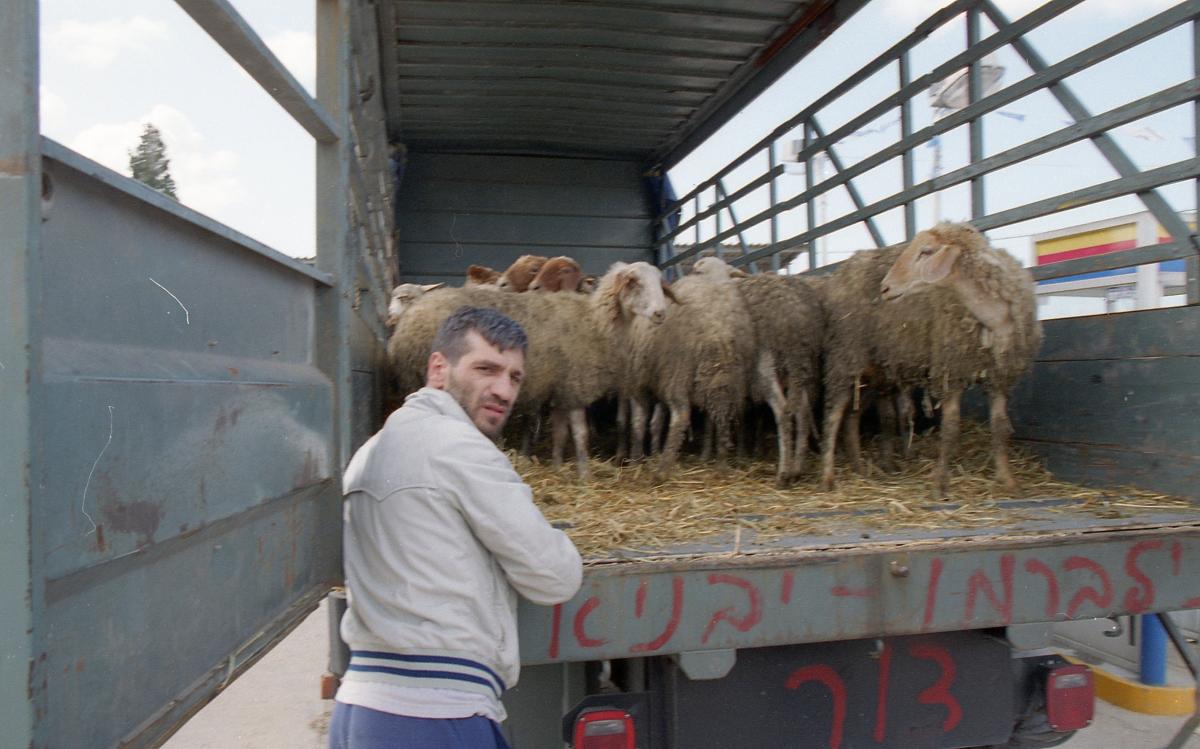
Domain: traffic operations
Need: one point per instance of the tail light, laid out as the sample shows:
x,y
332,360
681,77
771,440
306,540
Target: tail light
x,y
604,729
1070,697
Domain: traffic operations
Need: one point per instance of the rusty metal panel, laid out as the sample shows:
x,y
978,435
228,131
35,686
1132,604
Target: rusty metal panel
x,y
184,471
867,590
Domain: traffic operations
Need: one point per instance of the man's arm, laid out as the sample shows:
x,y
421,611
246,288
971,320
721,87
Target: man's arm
x,y
540,561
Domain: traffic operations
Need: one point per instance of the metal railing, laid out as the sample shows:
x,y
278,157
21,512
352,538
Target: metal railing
x,y
819,143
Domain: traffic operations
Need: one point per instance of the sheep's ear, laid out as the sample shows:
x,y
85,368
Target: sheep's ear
x,y
668,293
738,273
431,286
940,264
588,284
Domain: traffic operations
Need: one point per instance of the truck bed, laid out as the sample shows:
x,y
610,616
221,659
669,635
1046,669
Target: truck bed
x,y
1045,559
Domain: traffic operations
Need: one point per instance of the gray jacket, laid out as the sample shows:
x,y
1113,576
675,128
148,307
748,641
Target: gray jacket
x,y
439,533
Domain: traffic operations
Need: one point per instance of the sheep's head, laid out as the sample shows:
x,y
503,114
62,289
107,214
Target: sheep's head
x,y
641,290
558,274
520,274
928,260
716,269
404,295
481,275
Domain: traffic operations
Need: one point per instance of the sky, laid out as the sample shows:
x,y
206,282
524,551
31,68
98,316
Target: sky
x,y
108,68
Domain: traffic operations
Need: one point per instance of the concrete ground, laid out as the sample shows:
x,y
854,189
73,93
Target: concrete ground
x,y
277,704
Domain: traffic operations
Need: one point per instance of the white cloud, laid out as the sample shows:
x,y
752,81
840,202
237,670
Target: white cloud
x,y
206,179
99,43
298,51
53,111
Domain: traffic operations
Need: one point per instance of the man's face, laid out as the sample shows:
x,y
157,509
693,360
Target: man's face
x,y
485,381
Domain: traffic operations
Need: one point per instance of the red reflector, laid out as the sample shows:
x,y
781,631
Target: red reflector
x,y
604,729
1070,697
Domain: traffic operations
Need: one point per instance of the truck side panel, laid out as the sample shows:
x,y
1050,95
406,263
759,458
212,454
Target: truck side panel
x,y
1104,400
172,351
458,209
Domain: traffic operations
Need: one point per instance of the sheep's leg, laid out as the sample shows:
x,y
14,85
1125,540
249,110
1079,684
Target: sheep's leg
x,y
527,434
723,424
1001,434
657,417
835,410
887,432
783,425
710,438
800,418
951,426
622,430
579,431
637,433
851,438
681,417
558,436
907,413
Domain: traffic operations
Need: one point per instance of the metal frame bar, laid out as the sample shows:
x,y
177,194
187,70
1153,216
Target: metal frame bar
x,y
228,29
1043,77
1189,657
21,699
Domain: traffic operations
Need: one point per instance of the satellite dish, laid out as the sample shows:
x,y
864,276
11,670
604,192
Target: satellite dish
x,y
950,94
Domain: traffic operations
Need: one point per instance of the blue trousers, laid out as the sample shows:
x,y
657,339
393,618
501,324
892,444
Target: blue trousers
x,y
355,727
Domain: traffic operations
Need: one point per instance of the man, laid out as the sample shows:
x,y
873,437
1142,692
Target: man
x,y
440,535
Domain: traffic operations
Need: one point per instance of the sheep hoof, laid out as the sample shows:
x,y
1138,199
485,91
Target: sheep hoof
x,y
827,484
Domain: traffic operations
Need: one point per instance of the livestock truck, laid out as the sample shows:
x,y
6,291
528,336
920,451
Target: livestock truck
x,y
178,400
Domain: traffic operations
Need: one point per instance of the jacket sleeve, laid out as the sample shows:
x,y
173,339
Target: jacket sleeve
x,y
539,561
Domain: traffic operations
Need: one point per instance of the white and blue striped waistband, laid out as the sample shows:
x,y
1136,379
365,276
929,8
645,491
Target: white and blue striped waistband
x,y
428,671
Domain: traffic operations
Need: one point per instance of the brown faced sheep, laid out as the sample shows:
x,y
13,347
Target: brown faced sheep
x,y
481,275
788,332
518,276
571,361
993,342
700,356
558,274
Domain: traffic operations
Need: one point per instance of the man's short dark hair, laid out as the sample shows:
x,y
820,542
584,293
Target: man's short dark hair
x,y
498,329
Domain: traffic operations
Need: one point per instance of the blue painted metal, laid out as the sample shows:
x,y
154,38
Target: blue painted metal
x,y
21,693
865,589
1152,665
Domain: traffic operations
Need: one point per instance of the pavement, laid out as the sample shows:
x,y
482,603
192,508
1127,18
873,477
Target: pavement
x,y
276,704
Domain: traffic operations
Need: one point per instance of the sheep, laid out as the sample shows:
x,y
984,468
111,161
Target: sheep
x,y
403,296
788,330
558,274
518,275
985,327
481,275
572,359
700,356
929,339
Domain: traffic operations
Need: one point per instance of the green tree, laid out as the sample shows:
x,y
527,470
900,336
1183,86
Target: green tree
x,y
149,163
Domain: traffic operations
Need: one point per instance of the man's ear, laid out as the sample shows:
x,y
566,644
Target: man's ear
x,y
436,371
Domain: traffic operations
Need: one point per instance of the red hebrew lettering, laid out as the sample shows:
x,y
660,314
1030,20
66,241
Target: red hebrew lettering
x,y
672,622
843,592
1087,592
555,627
639,603
1139,601
1191,603
939,693
979,581
931,592
580,617
885,676
742,624
837,690
1038,567
1176,558
785,593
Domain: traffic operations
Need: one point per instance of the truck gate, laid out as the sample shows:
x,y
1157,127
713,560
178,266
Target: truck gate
x,y
177,402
